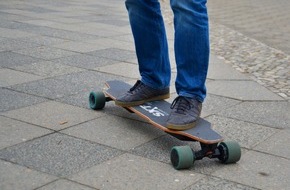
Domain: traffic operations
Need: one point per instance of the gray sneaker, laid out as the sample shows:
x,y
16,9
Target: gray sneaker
x,y
185,112
140,93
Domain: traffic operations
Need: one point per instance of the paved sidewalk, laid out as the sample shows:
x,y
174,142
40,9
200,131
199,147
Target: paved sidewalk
x,y
53,53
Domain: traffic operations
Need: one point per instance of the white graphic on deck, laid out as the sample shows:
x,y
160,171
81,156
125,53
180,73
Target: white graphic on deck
x,y
154,110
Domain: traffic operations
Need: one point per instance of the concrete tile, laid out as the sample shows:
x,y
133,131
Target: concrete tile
x,y
80,47
66,85
10,100
13,132
219,70
63,34
14,33
85,61
276,144
264,113
46,53
49,88
106,43
93,28
214,104
43,40
48,69
10,59
10,77
17,177
209,183
116,22
133,172
65,185
52,115
126,38
122,69
258,170
115,132
8,44
248,135
58,154
80,100
241,90
114,54
159,149
90,80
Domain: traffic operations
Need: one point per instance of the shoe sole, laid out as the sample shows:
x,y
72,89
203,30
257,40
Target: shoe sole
x,y
140,102
181,127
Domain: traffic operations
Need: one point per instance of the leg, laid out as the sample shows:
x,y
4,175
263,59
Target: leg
x,y
150,42
192,57
152,53
191,47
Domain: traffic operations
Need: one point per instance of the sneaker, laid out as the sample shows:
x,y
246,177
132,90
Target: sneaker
x,y
184,114
141,93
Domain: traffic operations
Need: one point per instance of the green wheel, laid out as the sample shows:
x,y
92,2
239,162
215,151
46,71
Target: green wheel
x,y
97,100
230,152
182,157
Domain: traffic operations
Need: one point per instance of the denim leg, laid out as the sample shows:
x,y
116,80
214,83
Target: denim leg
x,y
150,42
191,47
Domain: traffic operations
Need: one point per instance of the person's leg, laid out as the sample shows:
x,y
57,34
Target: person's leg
x,y
152,52
192,57
191,47
150,42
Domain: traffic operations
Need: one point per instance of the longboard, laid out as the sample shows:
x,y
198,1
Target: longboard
x,y
157,113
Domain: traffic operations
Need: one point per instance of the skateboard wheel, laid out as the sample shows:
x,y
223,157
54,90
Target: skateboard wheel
x,y
230,152
182,157
97,100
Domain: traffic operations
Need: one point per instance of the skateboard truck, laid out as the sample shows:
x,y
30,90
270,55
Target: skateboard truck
x,y
183,157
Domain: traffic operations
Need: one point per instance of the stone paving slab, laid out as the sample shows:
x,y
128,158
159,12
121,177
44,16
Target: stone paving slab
x,y
115,54
122,69
11,100
134,172
14,34
122,134
209,183
46,53
62,86
43,40
85,61
65,185
116,43
10,59
48,69
247,134
15,44
271,114
218,70
52,115
258,170
80,47
214,104
26,178
276,144
58,154
10,77
13,132
241,90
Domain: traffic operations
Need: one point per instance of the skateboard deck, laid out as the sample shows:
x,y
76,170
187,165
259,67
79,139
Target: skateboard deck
x,y
157,112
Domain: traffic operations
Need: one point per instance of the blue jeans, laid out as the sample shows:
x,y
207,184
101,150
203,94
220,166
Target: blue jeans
x,y
191,44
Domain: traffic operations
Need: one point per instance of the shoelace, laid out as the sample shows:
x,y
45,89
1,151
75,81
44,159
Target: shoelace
x,y
181,104
137,86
